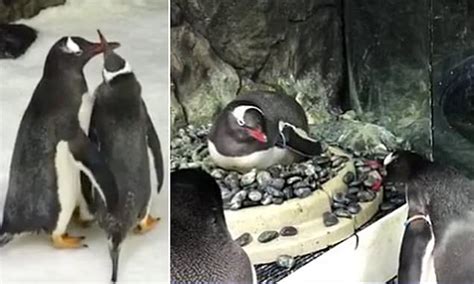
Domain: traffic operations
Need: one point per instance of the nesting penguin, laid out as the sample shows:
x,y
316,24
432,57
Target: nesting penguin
x,y
438,242
202,250
261,129
52,147
125,136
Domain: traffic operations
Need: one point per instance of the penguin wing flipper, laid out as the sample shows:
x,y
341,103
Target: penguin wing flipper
x,y
155,147
91,163
297,140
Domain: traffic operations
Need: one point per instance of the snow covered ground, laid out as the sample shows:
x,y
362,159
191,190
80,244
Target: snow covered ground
x,y
142,28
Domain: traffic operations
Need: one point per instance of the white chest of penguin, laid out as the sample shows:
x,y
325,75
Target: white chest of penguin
x,y
68,170
260,159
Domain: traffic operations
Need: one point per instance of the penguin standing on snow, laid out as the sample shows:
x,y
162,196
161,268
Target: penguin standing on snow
x,y
52,148
125,136
202,250
261,129
438,242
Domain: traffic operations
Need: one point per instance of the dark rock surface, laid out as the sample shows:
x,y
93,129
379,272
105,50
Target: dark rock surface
x,y
12,10
293,47
388,55
15,39
453,83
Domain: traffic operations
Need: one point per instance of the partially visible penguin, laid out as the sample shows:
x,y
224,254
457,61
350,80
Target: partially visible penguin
x,y
202,250
125,136
52,147
438,243
261,129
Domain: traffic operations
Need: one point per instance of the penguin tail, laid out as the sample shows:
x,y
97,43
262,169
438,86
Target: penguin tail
x,y
114,250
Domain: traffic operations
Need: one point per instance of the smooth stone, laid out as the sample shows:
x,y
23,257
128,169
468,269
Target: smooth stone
x,y
263,178
286,261
351,198
353,190
267,199
288,231
355,183
348,177
277,183
310,170
273,191
267,236
339,198
293,180
244,239
277,200
301,184
354,208
249,203
275,171
218,173
330,219
342,212
248,178
366,196
302,192
321,160
288,192
387,206
336,205
255,195
397,201
336,163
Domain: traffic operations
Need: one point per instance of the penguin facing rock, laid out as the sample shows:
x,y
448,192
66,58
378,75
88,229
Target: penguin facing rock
x,y
438,242
52,148
125,137
202,250
261,129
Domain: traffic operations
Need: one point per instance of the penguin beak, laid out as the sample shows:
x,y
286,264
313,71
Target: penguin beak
x,y
257,134
106,46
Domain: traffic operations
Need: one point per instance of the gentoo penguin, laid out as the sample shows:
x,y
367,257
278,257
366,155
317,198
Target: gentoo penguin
x,y
438,243
260,129
52,148
125,136
202,250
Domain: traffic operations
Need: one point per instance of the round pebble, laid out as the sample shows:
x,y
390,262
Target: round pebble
x,y
277,183
329,219
366,196
342,213
267,236
244,239
288,231
248,178
354,208
255,195
302,192
263,178
285,261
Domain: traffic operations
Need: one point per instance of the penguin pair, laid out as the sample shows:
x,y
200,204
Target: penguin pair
x,y
125,136
52,150
202,250
261,129
438,242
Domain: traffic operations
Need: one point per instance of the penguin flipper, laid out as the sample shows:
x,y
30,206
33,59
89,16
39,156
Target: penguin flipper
x,y
155,148
297,140
91,163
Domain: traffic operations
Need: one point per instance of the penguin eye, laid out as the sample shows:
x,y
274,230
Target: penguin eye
x,y
240,122
78,53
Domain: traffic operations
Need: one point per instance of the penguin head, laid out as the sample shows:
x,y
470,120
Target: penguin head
x,y
72,52
196,199
403,165
247,123
114,65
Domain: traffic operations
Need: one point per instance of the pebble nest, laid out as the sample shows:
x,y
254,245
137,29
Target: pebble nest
x,y
279,183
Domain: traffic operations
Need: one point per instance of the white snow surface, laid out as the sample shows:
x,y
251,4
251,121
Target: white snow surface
x,y
142,28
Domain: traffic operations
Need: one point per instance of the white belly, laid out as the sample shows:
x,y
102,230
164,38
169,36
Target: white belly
x,y
68,182
260,160
85,112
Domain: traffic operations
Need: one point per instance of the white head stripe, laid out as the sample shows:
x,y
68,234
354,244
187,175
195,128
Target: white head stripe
x,y
71,46
239,112
390,158
108,76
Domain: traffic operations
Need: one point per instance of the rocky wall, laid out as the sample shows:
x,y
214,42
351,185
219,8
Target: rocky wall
x,y
12,10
